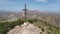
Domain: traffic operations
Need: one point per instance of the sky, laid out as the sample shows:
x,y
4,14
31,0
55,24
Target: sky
x,y
41,5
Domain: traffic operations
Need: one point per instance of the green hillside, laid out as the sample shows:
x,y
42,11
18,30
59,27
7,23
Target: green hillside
x,y
6,26
46,26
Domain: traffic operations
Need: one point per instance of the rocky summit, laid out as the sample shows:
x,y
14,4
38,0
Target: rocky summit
x,y
26,28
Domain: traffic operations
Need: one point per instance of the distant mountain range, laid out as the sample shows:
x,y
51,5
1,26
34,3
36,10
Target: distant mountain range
x,y
47,12
52,18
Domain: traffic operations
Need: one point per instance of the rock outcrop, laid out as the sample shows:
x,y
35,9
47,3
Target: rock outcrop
x,y
26,28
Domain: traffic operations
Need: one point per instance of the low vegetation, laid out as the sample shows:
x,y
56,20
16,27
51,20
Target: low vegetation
x,y
6,26
49,28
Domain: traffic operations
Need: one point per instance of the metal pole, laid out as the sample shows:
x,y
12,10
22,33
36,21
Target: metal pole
x,y
25,13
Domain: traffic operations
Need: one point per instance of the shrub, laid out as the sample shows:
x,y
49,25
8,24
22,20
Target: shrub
x,y
32,20
6,26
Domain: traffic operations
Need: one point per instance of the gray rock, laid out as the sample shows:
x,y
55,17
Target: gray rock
x,y
25,28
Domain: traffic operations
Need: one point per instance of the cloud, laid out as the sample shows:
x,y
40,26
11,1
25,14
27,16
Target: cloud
x,y
42,0
47,0
4,2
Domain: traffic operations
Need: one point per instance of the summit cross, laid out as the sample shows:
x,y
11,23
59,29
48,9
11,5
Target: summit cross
x,y
25,12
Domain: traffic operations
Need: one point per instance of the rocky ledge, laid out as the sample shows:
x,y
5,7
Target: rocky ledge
x,y
26,28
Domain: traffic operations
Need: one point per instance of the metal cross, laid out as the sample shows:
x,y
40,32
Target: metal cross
x,y
25,12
